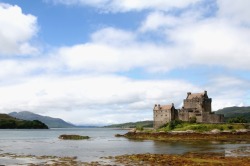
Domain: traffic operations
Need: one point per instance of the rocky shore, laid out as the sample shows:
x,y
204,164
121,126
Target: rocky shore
x,y
241,135
189,159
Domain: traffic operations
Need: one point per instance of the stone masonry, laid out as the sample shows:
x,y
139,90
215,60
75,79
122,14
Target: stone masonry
x,y
196,105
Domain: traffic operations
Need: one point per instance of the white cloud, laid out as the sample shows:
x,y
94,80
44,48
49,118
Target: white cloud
x,y
62,90
215,42
16,31
115,50
112,36
102,99
228,91
93,95
208,41
236,11
129,5
157,20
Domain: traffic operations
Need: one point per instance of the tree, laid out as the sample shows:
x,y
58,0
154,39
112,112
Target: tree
x,y
238,119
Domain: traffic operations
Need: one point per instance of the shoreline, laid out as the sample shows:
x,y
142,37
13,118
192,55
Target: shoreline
x,y
189,136
190,158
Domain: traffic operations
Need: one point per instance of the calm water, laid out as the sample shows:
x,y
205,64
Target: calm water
x,y
102,143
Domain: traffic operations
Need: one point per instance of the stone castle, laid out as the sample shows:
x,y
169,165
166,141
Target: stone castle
x,y
196,105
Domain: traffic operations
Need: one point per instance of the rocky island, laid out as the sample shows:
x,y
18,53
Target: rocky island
x,y
73,137
187,131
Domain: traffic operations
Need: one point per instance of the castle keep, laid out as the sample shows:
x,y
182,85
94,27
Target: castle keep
x,y
196,105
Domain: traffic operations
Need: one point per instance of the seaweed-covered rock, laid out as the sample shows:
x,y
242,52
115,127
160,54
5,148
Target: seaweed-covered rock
x,y
73,137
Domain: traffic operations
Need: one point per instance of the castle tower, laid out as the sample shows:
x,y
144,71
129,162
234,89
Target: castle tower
x,y
198,102
164,114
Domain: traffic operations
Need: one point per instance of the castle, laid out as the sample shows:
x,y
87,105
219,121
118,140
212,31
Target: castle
x,y
196,105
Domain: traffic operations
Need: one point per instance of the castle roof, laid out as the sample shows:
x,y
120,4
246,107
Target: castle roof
x,y
166,107
196,95
163,107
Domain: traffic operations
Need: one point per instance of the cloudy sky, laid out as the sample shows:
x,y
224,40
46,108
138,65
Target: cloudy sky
x,y
109,61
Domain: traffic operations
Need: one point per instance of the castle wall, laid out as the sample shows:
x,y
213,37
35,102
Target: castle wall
x,y
161,117
193,104
207,105
212,118
199,118
183,115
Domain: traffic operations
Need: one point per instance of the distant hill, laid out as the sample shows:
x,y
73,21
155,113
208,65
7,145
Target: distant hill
x,y
8,122
148,123
49,121
232,112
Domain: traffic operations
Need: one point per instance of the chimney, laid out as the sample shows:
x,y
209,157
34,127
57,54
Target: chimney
x,y
205,92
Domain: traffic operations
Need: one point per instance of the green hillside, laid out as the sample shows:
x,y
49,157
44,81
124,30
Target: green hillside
x,y
233,112
144,124
49,121
8,122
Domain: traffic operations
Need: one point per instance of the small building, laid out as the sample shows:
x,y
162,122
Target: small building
x,y
196,105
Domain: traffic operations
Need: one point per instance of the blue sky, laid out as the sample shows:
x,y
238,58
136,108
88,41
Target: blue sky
x,y
108,61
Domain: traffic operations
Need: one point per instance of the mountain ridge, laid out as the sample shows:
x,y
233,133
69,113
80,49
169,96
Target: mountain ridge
x,y
233,112
49,121
9,122
147,123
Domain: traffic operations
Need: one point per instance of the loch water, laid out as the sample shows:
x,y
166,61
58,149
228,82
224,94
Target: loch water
x,y
102,143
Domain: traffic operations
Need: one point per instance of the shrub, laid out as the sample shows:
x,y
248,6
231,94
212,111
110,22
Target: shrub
x,y
138,127
173,124
230,127
192,119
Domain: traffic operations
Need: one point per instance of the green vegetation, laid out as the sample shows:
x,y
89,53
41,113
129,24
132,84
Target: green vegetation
x,y
139,128
73,137
234,112
178,125
237,120
8,122
192,119
144,124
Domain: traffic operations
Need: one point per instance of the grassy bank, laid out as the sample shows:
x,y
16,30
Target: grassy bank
x,y
168,136
201,127
186,131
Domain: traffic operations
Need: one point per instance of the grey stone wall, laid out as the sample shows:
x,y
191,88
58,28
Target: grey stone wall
x,y
161,117
183,115
212,118
207,105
